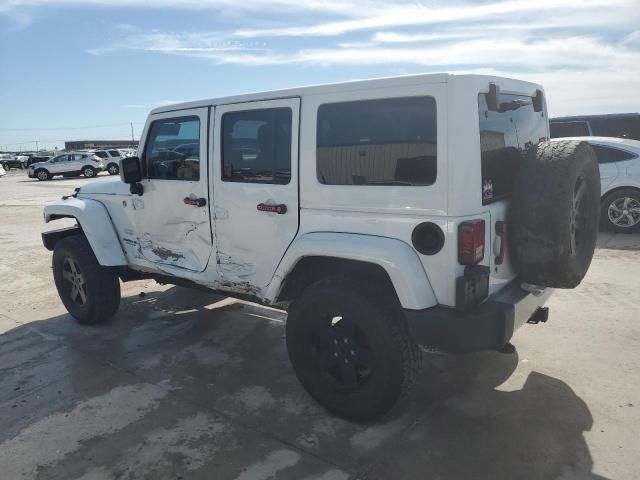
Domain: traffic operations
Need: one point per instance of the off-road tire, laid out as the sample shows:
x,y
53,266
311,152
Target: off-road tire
x,y
554,214
102,284
43,175
113,169
606,223
394,356
88,172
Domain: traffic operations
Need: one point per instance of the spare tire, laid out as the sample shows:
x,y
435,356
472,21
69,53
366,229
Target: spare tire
x,y
554,214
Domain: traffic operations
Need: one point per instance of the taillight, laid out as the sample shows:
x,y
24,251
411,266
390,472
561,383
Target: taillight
x,y
471,242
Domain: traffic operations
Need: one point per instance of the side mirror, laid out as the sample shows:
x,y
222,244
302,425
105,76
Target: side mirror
x,y
131,173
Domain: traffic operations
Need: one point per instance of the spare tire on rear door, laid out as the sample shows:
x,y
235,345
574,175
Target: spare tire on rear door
x,y
554,214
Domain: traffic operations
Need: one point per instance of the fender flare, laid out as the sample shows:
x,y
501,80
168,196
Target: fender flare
x,y
96,224
397,258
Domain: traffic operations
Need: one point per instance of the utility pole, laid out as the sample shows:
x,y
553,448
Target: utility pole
x,y
132,139
37,150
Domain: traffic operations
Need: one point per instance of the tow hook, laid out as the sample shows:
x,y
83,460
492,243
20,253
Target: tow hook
x,y
540,315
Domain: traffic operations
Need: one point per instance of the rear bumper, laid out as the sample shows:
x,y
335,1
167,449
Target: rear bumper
x,y
489,327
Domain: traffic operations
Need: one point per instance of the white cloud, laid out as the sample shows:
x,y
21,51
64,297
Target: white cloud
x,y
403,15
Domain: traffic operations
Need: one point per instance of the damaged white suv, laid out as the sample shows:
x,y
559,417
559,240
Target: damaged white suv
x,y
383,215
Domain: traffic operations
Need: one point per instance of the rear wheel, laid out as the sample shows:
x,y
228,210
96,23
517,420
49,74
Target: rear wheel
x,y
113,169
621,211
88,172
89,291
350,348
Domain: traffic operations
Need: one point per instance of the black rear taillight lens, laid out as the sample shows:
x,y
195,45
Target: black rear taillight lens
x,y
471,242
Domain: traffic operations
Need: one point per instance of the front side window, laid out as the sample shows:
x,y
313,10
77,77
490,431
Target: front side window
x,y
256,146
390,141
164,155
505,137
610,155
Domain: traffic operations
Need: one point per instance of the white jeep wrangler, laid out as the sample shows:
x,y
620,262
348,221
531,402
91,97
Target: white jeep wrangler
x,y
383,215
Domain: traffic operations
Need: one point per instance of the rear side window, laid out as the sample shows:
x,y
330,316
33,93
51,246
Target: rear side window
x,y
569,129
101,154
165,154
256,146
610,154
505,137
114,153
623,126
390,141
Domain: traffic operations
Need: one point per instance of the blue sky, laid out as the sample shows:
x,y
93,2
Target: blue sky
x,y
72,69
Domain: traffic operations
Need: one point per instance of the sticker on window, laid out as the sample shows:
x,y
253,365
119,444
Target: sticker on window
x,y
487,190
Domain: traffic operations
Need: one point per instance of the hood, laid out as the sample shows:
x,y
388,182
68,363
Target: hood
x,y
37,164
108,186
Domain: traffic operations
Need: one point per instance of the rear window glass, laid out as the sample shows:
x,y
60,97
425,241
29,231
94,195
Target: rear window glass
x,y
569,129
505,136
390,141
610,155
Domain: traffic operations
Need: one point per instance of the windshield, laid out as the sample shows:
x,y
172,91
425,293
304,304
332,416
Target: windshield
x,y
505,136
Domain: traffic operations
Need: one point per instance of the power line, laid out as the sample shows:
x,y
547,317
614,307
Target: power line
x,y
31,129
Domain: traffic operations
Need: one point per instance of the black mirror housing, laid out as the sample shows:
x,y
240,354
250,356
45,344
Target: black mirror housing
x,y
130,170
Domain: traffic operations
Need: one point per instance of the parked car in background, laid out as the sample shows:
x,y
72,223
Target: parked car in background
x,y
2,171
111,160
38,158
619,161
623,125
69,164
9,161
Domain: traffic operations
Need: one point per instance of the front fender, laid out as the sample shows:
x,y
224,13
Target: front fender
x,y
398,259
96,224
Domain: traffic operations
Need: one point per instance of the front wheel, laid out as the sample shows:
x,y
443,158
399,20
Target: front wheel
x,y
89,291
350,348
88,172
43,175
620,211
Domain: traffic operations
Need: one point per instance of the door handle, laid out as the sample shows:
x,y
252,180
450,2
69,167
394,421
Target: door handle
x,y
279,209
196,202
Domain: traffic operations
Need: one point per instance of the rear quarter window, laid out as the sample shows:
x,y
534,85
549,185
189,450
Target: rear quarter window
x,y
389,141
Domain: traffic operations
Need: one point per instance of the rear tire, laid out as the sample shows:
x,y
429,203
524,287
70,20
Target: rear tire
x,y
554,214
350,348
620,211
113,169
89,291
88,172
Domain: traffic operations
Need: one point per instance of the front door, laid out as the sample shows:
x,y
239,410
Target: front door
x,y
255,188
172,216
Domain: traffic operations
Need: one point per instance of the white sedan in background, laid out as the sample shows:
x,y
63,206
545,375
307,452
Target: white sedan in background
x,y
619,160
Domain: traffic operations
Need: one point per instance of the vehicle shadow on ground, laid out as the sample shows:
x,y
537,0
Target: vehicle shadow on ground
x,y
618,241
230,359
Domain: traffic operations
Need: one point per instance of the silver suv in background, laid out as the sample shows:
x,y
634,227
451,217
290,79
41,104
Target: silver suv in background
x,y
70,164
111,160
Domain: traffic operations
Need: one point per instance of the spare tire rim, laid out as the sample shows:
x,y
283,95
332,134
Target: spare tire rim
x,y
342,352
624,212
578,215
72,275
